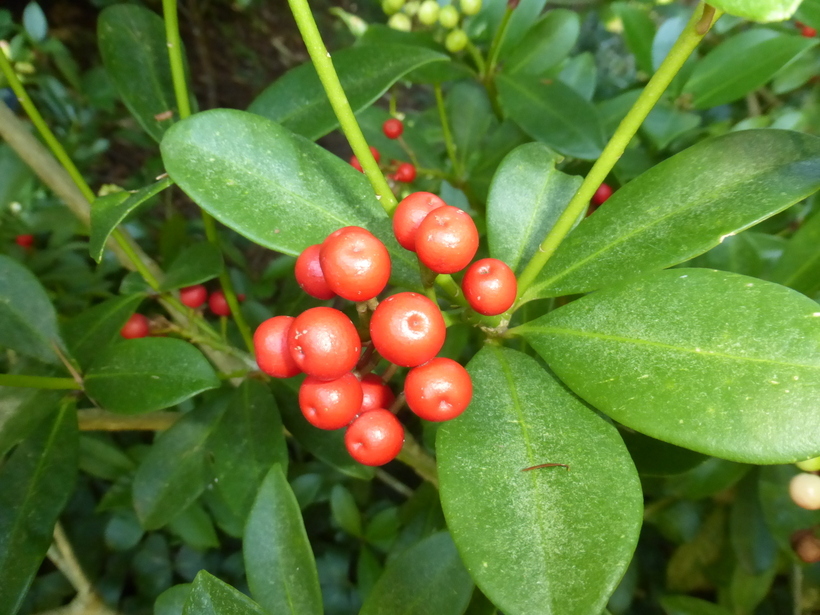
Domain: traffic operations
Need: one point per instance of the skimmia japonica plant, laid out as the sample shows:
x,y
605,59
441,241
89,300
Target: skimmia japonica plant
x,y
484,307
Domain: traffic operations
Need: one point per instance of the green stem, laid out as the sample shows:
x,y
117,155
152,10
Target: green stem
x,y
445,127
495,46
448,285
413,455
169,9
338,100
475,54
680,52
39,382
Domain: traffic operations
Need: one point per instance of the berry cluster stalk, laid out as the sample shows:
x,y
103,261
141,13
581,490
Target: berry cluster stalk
x,y
39,382
338,100
169,8
692,34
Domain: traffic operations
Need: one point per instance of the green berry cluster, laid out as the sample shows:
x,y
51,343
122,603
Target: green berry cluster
x,y
429,13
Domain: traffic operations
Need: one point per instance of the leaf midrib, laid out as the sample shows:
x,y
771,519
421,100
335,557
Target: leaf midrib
x,y
696,350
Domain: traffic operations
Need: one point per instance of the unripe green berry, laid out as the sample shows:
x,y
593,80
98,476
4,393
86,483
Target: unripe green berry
x,y
810,465
456,41
448,16
428,12
412,7
401,22
470,7
392,6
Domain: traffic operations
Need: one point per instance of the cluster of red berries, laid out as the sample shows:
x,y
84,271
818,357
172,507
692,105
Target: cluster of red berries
x,y
805,30
24,241
407,329
192,296
404,171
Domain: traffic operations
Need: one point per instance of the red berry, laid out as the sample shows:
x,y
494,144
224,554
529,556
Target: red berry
x,y
410,213
333,404
407,329
218,303
308,273
374,438
439,390
354,162
603,192
392,128
406,173
489,286
376,394
447,240
270,343
355,263
24,241
240,297
193,296
135,327
808,32
324,343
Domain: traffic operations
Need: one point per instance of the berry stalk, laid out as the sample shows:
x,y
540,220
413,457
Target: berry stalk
x,y
692,34
320,57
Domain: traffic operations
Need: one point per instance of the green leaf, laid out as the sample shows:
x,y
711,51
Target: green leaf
x,y
210,596
174,471
21,410
545,45
35,22
657,458
687,605
427,579
28,323
741,64
663,217
527,195
279,562
733,361
299,103
665,124
172,600
328,446
553,113
581,74
525,15
142,375
194,526
275,188
808,12
471,118
565,536
91,331
196,264
135,54
753,544
35,484
750,253
639,32
759,10
798,267
246,442
344,510
108,212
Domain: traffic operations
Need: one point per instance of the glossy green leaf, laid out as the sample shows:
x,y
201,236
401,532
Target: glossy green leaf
x,y
749,253
278,559
759,10
274,187
799,266
707,479
565,536
35,485
427,579
796,74
210,596
752,542
172,600
471,117
148,374
545,45
687,605
657,458
329,446
527,195
28,323
174,471
741,64
808,12
245,443
581,74
525,15
639,32
108,212
135,54
663,217
733,361
195,528
344,510
299,103
91,331
666,123
21,410
196,264
553,113
35,22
